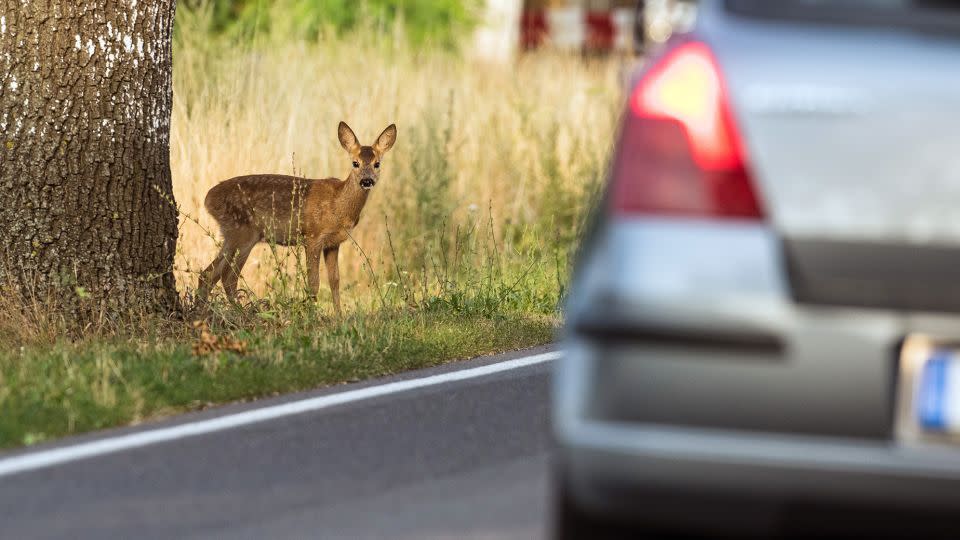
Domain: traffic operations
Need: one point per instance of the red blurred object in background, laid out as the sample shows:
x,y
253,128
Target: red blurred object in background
x,y
533,28
600,31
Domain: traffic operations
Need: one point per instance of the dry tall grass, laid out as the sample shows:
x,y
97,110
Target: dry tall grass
x,y
518,148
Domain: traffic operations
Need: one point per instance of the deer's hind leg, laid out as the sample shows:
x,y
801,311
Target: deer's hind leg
x,y
211,275
235,261
233,255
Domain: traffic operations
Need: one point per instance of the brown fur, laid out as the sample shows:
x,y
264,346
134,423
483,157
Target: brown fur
x,y
287,210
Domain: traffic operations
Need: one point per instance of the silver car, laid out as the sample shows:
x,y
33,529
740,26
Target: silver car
x,y
763,331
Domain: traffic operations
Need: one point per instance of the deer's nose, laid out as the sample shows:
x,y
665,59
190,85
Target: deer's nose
x,y
367,183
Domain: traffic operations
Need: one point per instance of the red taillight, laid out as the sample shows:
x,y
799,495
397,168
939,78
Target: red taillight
x,y
680,151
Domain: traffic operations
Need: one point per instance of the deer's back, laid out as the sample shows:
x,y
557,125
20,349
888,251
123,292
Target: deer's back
x,y
272,203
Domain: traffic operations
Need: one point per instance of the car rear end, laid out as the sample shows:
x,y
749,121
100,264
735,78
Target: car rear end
x,y
761,328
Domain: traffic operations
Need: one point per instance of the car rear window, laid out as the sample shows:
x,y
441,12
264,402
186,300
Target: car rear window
x,y
928,15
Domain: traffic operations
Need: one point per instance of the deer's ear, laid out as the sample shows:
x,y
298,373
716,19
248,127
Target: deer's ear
x,y
347,138
386,139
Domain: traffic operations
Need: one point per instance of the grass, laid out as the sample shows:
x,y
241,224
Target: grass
x,y
463,248
436,22
75,387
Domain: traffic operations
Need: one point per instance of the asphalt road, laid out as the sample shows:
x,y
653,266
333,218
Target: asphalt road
x,y
464,459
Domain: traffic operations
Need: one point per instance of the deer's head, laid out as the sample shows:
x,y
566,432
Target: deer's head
x,y
366,159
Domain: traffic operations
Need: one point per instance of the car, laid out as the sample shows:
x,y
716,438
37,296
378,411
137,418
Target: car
x,y
762,332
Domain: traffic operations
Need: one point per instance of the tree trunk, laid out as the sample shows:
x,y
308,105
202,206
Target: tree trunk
x,y
86,202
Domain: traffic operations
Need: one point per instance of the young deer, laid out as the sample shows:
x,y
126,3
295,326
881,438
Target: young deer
x,y
287,210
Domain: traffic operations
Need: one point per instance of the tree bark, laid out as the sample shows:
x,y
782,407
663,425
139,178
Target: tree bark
x,y
86,202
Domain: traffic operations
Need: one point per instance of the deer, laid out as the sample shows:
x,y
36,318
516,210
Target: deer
x,y
292,211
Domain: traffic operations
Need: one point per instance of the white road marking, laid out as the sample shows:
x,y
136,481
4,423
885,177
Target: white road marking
x,y
57,456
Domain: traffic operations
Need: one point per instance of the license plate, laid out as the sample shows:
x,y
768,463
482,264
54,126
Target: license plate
x,y
929,391
937,400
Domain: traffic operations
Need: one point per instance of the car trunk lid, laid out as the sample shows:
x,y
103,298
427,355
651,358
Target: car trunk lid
x,y
853,138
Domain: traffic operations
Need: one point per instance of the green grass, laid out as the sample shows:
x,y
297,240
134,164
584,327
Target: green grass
x,y
438,23
56,380
48,391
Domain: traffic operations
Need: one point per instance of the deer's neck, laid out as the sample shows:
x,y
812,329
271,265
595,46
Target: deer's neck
x,y
352,199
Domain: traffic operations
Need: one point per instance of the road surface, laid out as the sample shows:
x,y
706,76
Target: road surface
x,y
453,459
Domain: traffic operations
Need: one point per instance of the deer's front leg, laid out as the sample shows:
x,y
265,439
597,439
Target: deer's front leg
x,y
314,253
333,274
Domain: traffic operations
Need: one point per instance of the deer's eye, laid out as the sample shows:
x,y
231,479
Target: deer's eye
x,y
376,165
356,164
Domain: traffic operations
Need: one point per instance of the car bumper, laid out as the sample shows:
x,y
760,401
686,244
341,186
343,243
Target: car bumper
x,y
704,481
782,467
691,369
